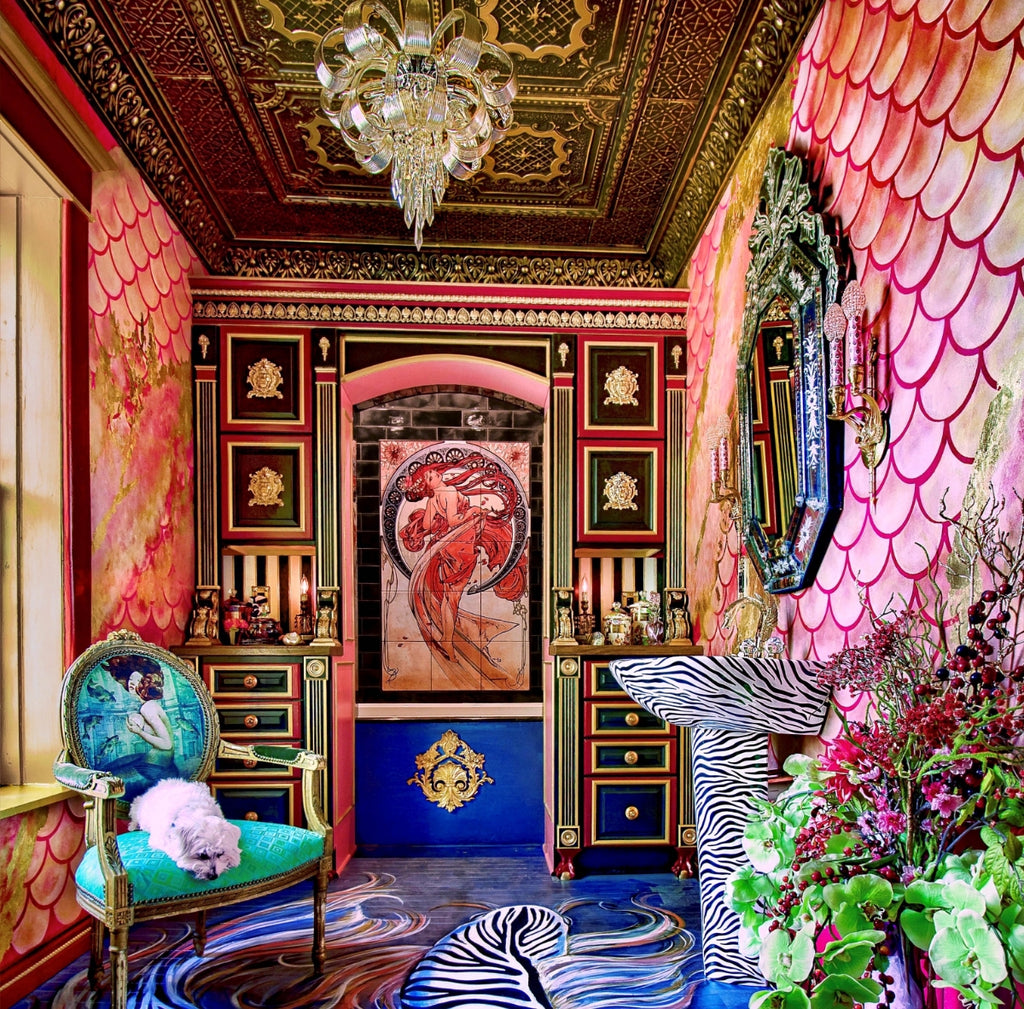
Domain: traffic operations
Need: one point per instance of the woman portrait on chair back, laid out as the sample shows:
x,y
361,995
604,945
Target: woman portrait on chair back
x,y
142,677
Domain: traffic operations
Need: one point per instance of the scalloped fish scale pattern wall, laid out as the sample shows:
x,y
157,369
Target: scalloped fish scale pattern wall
x,y
38,882
141,307
909,114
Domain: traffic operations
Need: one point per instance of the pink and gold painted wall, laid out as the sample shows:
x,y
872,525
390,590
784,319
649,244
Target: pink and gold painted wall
x,y
909,116
141,413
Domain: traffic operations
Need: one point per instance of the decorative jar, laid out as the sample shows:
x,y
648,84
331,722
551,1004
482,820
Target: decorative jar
x,y
616,626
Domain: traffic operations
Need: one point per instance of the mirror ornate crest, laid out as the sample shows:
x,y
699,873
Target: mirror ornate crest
x,y
791,466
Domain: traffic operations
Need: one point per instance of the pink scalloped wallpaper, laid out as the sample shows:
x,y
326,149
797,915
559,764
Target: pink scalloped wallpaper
x,y
910,117
141,434
37,883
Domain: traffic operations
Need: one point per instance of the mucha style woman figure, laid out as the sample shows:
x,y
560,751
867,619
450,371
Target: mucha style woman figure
x,y
144,680
453,534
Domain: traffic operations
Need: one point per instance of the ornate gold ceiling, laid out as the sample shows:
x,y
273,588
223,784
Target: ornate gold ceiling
x,y
627,120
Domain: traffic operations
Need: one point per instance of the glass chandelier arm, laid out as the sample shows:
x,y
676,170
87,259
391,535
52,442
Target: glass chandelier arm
x,y
499,94
416,38
462,54
333,81
362,40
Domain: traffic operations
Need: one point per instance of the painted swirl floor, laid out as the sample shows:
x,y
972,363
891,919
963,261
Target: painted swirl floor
x,y
633,942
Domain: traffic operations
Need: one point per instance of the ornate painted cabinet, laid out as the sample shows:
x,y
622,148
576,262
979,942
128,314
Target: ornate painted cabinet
x,y
266,476
619,778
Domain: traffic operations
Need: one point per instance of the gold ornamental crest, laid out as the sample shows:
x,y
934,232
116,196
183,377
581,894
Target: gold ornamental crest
x,y
265,379
450,772
620,493
622,386
266,487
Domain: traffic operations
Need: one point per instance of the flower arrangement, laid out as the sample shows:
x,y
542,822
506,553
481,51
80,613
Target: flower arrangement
x,y
904,835
236,618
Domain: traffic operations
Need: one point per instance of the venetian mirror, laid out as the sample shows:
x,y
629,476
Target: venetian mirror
x,y
791,466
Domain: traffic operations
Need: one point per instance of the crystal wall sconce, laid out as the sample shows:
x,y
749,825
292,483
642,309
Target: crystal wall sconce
x,y
864,414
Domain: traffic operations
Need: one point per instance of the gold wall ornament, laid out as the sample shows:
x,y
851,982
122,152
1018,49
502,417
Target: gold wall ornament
x,y
677,354
450,772
265,379
620,493
204,345
325,347
266,487
563,352
622,386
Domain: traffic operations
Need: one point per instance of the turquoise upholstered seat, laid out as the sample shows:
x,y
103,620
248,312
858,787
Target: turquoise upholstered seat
x,y
131,715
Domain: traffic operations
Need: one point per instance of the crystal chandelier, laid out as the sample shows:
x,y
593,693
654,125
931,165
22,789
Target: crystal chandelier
x,y
430,103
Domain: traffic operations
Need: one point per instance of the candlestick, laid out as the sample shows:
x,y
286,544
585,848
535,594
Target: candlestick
x,y
854,302
723,456
714,467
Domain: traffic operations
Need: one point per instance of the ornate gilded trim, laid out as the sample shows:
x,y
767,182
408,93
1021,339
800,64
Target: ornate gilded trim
x,y
620,491
450,772
622,386
265,379
768,52
266,486
393,315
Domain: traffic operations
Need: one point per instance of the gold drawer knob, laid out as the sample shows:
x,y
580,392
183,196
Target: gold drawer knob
x,y
250,682
632,812
632,719
249,762
251,721
631,757
252,815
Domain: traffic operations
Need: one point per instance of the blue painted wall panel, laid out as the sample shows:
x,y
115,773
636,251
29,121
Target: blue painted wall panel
x,y
392,815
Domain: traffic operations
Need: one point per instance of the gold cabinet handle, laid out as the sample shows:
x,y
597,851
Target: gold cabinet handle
x,y
632,719
251,721
252,815
631,757
250,682
632,812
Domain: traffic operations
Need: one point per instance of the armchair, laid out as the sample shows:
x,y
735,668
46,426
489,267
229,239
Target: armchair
x,y
131,715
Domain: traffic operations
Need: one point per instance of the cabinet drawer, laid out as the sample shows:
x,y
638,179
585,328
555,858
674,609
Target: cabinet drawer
x,y
599,682
251,721
266,679
639,756
278,802
233,767
630,811
606,717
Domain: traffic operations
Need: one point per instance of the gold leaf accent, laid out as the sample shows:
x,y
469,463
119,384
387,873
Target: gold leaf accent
x,y
266,486
621,386
450,772
265,380
620,493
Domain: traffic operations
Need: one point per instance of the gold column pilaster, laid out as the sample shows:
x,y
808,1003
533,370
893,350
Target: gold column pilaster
x,y
316,717
568,815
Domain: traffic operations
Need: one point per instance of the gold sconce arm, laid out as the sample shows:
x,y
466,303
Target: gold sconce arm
x,y
723,481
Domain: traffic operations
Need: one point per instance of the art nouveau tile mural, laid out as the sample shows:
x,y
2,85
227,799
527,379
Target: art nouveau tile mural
x,y
455,524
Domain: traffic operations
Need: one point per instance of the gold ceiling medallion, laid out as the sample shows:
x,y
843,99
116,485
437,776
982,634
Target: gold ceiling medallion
x,y
620,493
621,386
266,486
265,379
450,773
529,154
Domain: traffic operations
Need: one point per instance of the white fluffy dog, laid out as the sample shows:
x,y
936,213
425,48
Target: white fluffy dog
x,y
184,821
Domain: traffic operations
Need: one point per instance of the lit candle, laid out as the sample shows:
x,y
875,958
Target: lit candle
x,y
304,589
835,330
854,302
584,592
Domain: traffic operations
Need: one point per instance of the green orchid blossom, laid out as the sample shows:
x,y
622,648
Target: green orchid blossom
x,y
840,991
851,954
780,998
787,960
967,954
